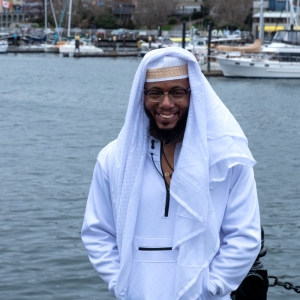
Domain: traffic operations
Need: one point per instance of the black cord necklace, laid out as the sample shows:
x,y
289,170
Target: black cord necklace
x,y
166,174
167,159
156,166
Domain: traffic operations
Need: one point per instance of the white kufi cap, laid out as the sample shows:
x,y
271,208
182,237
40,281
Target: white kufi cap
x,y
167,68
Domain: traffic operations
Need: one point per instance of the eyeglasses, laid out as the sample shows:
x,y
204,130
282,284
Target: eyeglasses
x,y
175,95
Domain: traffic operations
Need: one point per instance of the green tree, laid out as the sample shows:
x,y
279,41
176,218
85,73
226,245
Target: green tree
x,y
230,12
105,21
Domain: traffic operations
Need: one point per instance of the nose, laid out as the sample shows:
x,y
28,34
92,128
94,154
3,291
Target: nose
x,y
166,101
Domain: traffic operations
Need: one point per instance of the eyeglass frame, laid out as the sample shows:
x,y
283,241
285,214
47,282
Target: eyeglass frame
x,y
167,93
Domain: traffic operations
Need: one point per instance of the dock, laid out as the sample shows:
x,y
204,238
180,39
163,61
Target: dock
x,y
212,73
104,54
110,52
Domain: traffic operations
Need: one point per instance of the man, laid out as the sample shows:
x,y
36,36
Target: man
x,y
172,211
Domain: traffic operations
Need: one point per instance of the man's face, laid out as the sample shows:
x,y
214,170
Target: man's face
x,y
167,113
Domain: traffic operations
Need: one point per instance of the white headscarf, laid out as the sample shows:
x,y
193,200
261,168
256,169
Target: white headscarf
x,y
213,142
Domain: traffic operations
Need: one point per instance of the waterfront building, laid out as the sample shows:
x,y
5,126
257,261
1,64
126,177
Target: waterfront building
x,y
188,6
123,9
10,12
9,6
276,14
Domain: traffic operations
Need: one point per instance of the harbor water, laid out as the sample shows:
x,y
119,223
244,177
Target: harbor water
x,y
57,113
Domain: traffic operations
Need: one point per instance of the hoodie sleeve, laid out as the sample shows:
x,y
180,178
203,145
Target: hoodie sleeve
x,y
98,230
240,235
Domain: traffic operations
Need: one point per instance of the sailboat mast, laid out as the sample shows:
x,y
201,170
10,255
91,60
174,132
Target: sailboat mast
x,y
46,17
69,22
297,16
54,17
261,22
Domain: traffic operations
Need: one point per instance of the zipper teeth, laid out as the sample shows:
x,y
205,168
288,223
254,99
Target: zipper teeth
x,y
167,201
167,205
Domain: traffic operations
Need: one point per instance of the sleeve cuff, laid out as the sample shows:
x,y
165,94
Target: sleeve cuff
x,y
212,289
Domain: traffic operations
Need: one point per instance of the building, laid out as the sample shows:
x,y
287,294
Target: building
x,y
276,16
256,6
10,12
123,9
277,5
188,6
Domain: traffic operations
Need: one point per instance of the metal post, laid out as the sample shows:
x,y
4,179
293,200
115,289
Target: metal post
x,y
183,34
159,30
208,46
149,41
114,42
255,284
77,43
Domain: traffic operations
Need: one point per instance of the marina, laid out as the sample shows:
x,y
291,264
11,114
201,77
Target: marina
x,y
64,97
58,113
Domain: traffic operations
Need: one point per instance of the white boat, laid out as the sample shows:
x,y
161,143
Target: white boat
x,y
83,48
162,42
280,59
258,67
197,46
3,46
50,48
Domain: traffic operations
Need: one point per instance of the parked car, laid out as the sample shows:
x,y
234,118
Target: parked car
x,y
142,34
101,33
119,33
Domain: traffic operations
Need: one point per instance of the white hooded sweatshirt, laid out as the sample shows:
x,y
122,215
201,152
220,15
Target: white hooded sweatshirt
x,y
213,227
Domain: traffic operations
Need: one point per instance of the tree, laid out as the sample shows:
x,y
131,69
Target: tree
x,y
150,13
91,12
230,12
107,21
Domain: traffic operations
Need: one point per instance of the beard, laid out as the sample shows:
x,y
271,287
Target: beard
x,y
174,134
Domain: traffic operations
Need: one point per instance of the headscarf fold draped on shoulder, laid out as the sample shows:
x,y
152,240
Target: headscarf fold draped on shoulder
x,y
213,143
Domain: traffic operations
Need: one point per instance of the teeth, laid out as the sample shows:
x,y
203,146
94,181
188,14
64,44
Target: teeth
x,y
167,116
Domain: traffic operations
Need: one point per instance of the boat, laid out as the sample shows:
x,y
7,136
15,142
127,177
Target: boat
x,y
53,48
3,46
197,46
70,47
253,48
280,59
84,48
162,42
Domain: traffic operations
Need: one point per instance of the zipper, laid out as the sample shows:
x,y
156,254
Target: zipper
x,y
167,205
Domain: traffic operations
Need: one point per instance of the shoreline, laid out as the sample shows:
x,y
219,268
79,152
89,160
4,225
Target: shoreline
x,y
214,71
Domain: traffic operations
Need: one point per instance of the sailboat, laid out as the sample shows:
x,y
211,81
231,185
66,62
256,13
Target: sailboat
x,y
84,47
280,59
54,47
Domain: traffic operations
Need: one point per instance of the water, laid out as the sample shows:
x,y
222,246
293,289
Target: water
x,y
57,113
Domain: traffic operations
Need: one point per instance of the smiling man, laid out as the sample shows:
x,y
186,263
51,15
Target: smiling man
x,y
172,211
